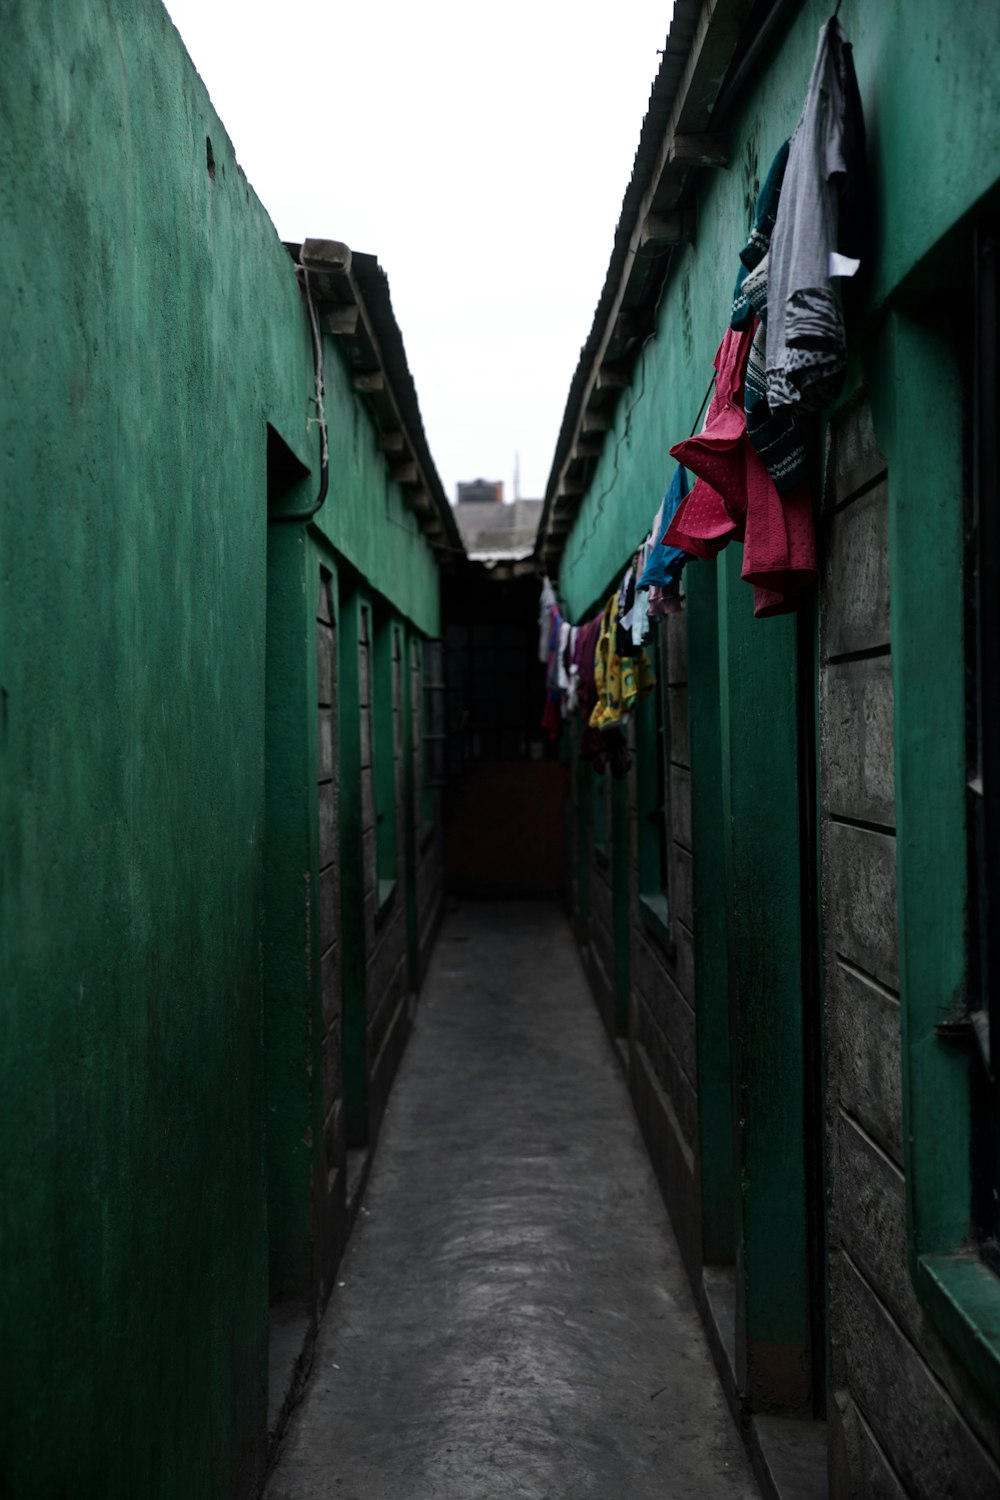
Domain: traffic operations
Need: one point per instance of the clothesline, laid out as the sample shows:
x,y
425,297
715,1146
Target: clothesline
x,y
782,355
599,669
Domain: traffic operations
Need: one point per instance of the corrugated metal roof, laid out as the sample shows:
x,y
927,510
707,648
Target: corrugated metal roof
x,y
374,284
352,293
661,101
691,92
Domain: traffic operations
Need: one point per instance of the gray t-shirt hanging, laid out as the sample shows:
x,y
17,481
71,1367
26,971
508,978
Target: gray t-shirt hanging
x,y
806,346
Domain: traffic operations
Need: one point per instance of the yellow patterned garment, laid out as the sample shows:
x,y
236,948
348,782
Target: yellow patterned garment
x,y
621,681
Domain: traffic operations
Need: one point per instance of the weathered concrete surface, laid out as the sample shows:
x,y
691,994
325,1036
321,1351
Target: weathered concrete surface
x,y
513,1319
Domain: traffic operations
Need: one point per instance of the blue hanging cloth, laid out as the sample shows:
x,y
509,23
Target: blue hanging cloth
x,y
665,563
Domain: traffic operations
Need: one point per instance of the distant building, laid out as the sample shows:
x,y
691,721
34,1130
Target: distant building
x,y
491,530
480,492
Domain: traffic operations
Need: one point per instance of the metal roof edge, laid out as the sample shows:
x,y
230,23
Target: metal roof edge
x,y
707,44
351,290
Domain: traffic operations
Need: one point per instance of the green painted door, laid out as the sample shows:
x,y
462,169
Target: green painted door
x,y
621,887
765,782
584,798
409,661
711,952
352,916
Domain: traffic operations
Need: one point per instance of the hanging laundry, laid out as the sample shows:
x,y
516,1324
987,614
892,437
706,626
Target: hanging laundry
x,y
562,670
586,672
757,246
552,712
735,498
624,643
776,437
853,206
604,748
633,620
569,671
619,681
546,604
665,601
714,513
806,342
640,615
662,519
601,748
586,657
665,562
638,620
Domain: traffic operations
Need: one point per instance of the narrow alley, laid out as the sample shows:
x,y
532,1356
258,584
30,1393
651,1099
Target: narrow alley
x,y
512,1317
496,994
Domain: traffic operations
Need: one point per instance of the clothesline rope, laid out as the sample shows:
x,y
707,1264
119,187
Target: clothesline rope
x,y
704,403
625,432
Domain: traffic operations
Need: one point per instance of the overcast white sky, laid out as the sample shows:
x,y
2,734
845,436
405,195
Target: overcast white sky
x,y
481,152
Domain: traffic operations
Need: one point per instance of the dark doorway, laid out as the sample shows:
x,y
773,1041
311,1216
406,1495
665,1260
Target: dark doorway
x,y
507,786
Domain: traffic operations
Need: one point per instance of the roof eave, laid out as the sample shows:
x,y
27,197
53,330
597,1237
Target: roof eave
x,y
680,142
351,292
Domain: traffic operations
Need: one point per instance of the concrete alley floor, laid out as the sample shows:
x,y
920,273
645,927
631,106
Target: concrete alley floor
x,y
513,1319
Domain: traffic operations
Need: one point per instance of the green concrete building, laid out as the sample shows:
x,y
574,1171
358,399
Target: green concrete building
x,y
802,976
219,861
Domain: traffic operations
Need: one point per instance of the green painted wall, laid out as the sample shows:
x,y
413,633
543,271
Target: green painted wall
x,y
132,407
931,93
365,517
153,327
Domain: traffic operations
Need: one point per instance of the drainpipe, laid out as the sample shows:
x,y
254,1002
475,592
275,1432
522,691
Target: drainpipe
x,y
324,444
